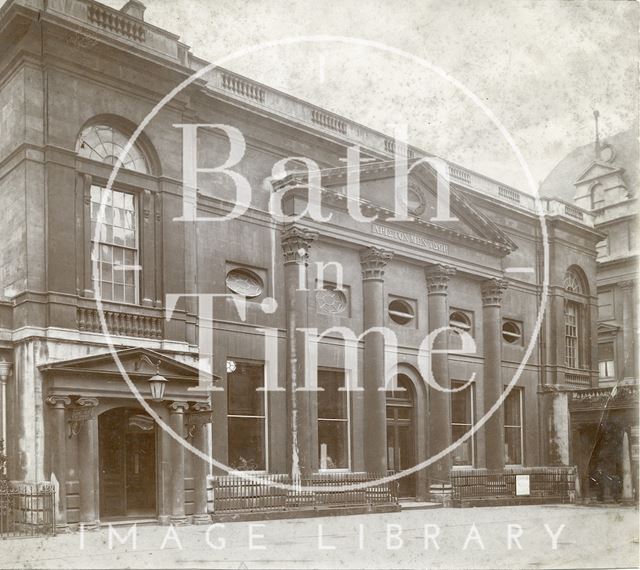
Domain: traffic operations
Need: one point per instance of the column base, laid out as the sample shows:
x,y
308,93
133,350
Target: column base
x,y
179,520
201,519
90,525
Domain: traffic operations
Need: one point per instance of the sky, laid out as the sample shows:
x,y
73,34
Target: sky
x,y
541,67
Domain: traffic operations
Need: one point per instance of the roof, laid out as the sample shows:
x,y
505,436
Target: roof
x,y
559,183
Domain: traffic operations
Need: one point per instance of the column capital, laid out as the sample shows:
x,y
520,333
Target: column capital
x,y
628,284
178,407
373,260
437,277
198,407
492,290
87,402
296,242
58,402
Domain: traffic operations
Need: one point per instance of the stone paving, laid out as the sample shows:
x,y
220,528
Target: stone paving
x,y
562,536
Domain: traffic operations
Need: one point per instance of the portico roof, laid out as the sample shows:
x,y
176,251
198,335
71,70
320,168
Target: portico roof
x,y
138,362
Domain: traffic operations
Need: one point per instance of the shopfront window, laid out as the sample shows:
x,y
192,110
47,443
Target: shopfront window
x,y
333,421
246,417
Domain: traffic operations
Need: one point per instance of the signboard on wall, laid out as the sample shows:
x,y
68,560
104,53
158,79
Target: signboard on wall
x,y
523,486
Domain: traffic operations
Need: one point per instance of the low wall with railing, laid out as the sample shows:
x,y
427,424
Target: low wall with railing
x,y
525,485
237,494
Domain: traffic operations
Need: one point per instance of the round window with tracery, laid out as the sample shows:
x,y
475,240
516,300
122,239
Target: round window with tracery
x,y
245,282
331,301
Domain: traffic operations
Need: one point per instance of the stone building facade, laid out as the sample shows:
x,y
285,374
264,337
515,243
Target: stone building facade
x,y
77,78
603,179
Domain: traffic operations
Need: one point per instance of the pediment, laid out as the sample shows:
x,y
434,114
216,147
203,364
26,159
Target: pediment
x,y
597,169
605,329
138,363
377,192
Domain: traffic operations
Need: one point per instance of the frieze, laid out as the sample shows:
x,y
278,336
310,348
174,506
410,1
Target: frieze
x,y
411,238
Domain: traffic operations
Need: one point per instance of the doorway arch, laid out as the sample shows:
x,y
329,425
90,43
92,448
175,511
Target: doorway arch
x,y
401,434
128,461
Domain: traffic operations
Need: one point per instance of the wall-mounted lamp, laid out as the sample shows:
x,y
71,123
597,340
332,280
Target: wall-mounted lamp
x,y
157,383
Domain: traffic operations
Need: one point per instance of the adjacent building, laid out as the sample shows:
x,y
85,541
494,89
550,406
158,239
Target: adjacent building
x,y
603,179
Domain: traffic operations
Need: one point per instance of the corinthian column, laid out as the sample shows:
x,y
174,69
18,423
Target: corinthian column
x,y
437,277
88,462
492,291
373,261
296,242
58,452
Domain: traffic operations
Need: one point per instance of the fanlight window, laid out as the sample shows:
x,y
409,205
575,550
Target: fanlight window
x,y
460,321
573,282
105,144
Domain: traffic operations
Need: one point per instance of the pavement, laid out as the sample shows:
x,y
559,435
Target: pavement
x,y
550,536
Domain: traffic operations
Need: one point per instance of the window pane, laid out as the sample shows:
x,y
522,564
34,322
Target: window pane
x,y
513,427
332,403
246,443
243,398
461,412
333,444
513,446
463,453
512,408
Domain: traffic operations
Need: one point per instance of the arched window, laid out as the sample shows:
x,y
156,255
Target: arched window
x,y
104,143
575,319
574,283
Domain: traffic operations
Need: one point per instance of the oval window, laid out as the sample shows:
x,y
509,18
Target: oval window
x,y
401,312
244,282
458,320
511,332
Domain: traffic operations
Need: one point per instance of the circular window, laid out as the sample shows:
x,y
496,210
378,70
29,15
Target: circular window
x,y
511,332
244,282
460,321
415,201
332,301
401,312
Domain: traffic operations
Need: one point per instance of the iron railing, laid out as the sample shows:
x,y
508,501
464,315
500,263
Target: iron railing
x,y
27,509
234,493
540,485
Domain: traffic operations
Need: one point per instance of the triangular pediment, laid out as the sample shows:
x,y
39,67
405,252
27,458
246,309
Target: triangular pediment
x,y
597,169
137,362
605,329
377,193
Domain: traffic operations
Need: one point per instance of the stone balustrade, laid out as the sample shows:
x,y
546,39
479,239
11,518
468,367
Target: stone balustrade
x,y
121,323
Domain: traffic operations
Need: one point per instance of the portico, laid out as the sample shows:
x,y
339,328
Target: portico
x,y
110,457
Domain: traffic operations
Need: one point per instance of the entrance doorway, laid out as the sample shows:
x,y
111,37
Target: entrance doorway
x,y
127,449
401,434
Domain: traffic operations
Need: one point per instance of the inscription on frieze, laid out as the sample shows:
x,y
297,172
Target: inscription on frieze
x,y
411,238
